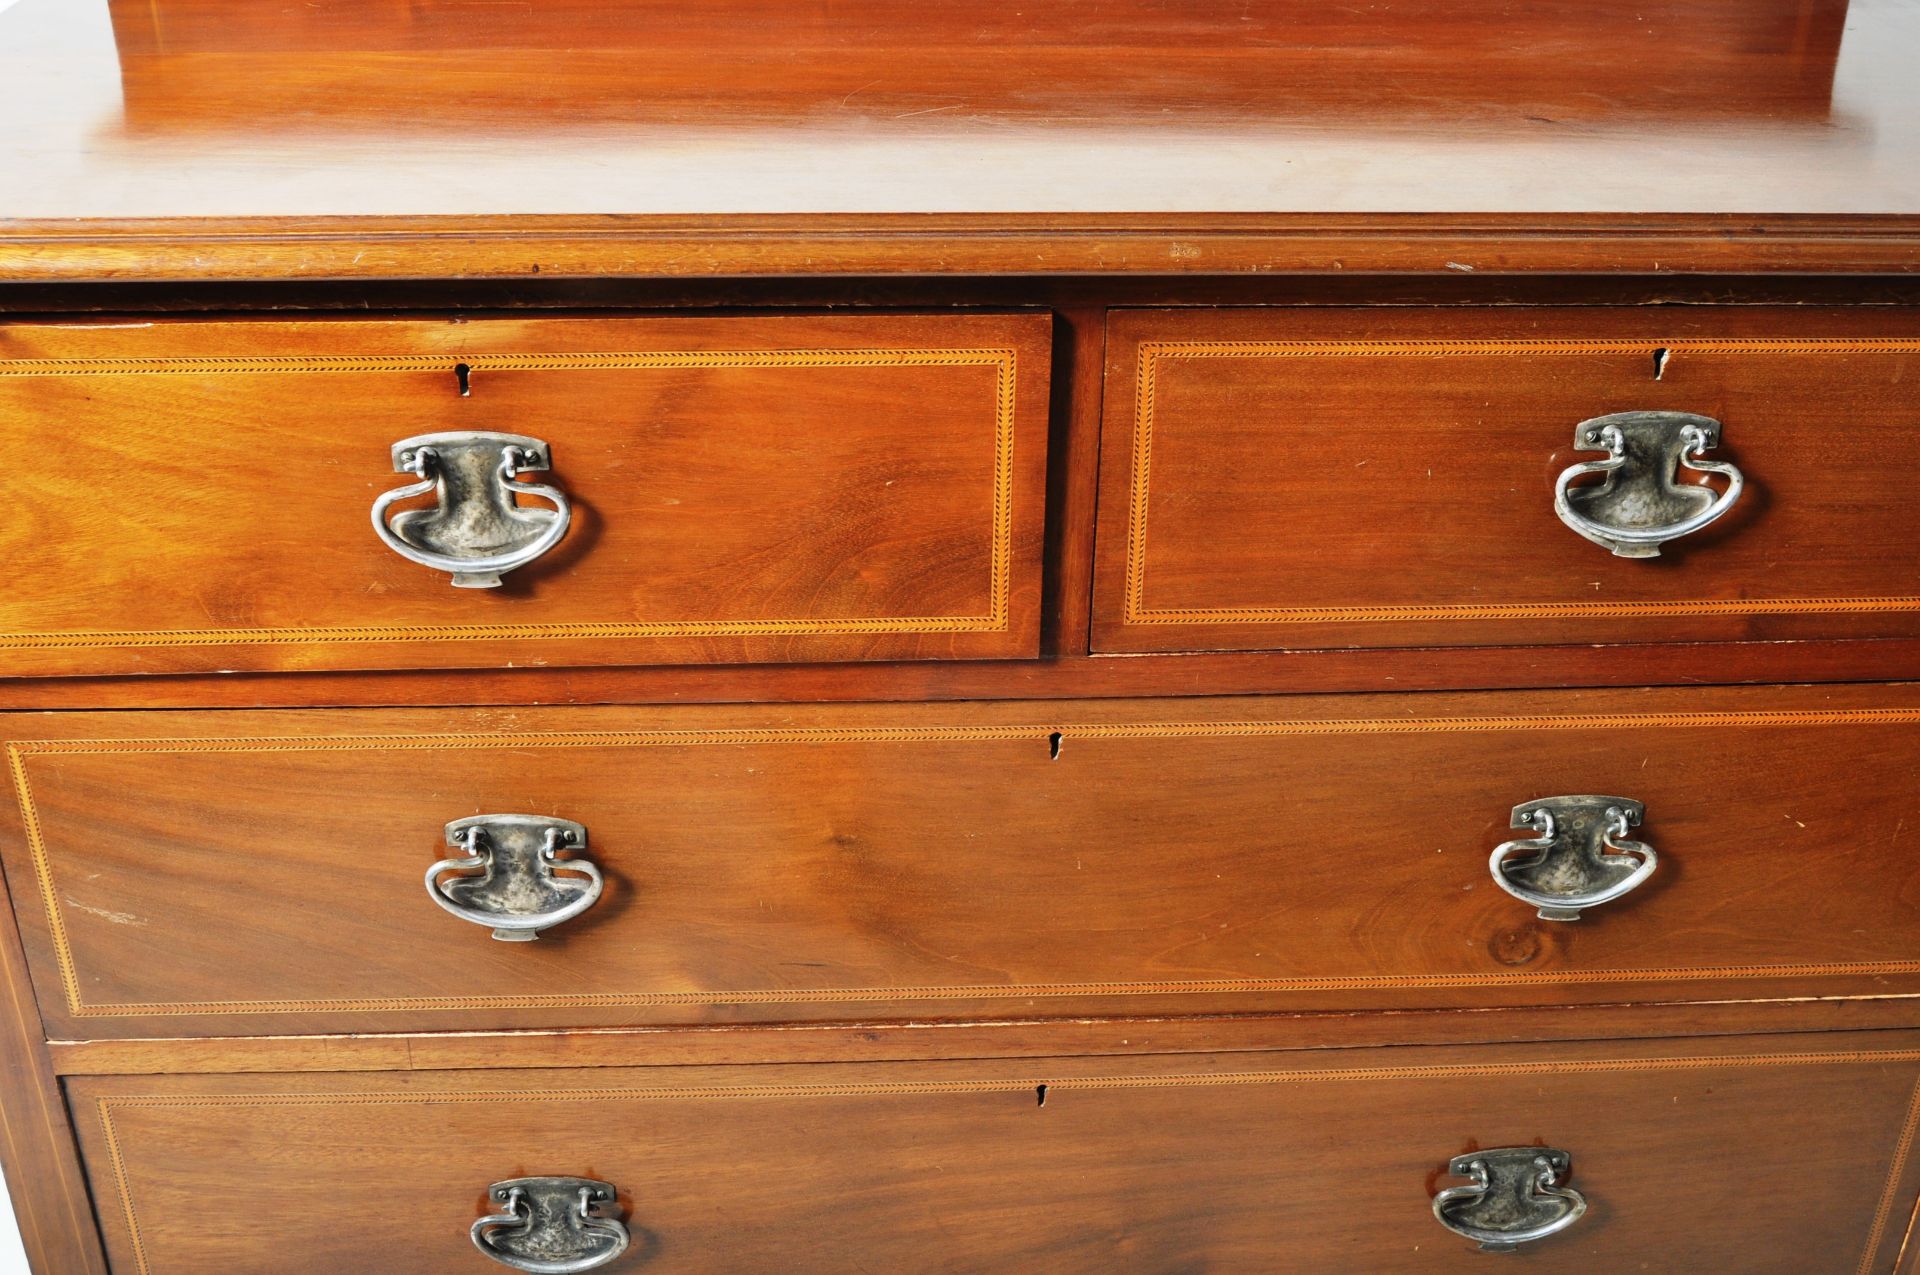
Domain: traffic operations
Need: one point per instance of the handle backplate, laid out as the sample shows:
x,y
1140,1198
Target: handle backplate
x,y
1641,503
1516,1197
551,1226
1578,857
511,876
477,531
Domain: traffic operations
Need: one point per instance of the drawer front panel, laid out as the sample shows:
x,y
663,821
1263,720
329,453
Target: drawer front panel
x,y
207,873
767,488
1795,1161
1289,479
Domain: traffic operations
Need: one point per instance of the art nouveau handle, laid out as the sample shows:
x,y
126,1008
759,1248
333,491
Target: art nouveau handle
x,y
477,531
1641,505
551,1226
511,877
1580,857
1516,1197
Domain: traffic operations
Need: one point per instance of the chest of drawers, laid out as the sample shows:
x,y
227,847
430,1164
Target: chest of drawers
x,y
788,638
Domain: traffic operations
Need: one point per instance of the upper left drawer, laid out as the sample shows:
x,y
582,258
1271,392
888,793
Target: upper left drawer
x,y
196,496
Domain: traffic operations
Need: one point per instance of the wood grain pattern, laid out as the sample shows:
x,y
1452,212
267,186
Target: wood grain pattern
x,y
1280,482
1169,1163
750,488
787,864
199,66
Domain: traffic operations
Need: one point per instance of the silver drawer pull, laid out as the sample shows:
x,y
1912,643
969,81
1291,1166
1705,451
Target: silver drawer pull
x,y
1516,1197
1641,505
476,532
511,876
1579,857
551,1226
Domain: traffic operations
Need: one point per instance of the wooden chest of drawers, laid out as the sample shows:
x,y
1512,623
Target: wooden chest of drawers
x,y
788,638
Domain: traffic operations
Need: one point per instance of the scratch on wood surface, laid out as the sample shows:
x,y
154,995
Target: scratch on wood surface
x,y
106,914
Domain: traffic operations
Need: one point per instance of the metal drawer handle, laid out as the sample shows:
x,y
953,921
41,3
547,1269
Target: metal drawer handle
x,y
1580,857
1516,1197
512,877
551,1226
476,532
1641,506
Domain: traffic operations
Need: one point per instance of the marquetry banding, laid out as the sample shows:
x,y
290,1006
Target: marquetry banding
x,y
1000,555
107,1105
650,360
20,752
1135,610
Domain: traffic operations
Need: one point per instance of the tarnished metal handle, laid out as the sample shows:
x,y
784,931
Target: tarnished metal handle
x,y
1579,857
1642,505
511,877
1516,1197
477,531
551,1226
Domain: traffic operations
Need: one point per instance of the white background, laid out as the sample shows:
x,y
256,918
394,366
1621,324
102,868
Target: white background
x,y
13,1259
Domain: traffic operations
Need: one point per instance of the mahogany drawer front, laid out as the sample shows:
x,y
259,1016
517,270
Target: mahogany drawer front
x,y
1303,479
1788,1154
203,873
772,487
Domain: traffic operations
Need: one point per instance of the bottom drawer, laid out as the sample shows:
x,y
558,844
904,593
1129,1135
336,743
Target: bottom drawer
x,y
1788,1154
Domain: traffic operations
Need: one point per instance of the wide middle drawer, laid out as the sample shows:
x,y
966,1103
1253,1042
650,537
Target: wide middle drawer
x,y
276,494
241,872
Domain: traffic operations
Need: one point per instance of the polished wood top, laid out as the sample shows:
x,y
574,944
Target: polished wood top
x,y
766,136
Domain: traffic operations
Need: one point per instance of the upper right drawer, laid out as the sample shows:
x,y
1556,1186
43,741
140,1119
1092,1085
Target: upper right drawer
x,y
1296,479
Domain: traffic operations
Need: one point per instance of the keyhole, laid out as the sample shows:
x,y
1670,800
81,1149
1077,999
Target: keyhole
x,y
461,373
1660,357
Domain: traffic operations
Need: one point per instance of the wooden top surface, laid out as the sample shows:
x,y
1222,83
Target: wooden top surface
x,y
784,136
